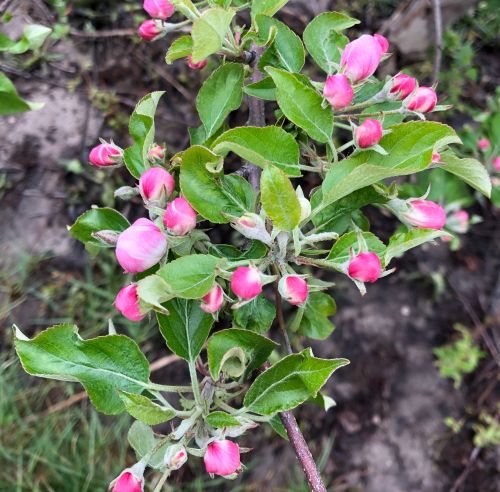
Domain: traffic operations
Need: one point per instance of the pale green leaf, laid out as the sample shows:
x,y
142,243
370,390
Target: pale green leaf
x,y
180,48
469,170
143,409
220,420
404,241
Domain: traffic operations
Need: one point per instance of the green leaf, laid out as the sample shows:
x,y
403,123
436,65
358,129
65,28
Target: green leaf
x,y
254,252
102,365
266,7
286,51
180,48
143,409
323,39
33,37
221,419
469,170
404,241
279,199
186,328
10,102
278,426
95,220
209,31
341,249
289,382
257,315
142,440
220,94
154,291
213,194
263,89
302,105
142,130
255,348
315,323
190,277
409,146
263,147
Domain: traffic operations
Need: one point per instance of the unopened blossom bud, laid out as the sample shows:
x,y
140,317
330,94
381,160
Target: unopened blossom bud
x,y
252,226
402,86
156,153
140,246
213,301
222,458
180,217
383,42
436,157
369,133
129,480
105,154
305,204
246,282
361,58
159,9
338,91
483,144
459,221
423,100
149,29
156,184
127,302
198,65
425,214
496,164
365,267
294,289
175,457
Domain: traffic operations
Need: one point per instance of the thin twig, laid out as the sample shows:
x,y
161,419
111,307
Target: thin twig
x,y
463,476
113,33
438,43
281,318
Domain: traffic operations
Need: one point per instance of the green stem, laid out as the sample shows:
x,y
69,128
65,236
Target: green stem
x,y
346,146
162,481
342,125
195,384
166,388
367,115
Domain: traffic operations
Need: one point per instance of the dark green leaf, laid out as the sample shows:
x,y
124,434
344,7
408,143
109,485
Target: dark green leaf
x,y
257,315
221,419
315,323
263,89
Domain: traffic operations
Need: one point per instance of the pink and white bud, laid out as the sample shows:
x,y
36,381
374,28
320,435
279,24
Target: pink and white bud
x,y
365,267
180,217
196,66
338,91
156,184
383,42
175,457
436,157
361,58
496,164
159,9
149,29
105,154
483,144
140,246
459,221
222,458
129,480
423,100
127,302
369,133
156,153
294,289
214,300
402,86
246,282
425,214
252,226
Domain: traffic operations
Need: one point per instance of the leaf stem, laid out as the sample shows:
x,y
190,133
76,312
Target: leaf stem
x,y
162,481
367,115
166,388
195,384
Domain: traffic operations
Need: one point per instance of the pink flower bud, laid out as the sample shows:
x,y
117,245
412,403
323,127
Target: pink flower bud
x,y
213,301
175,457
140,246
369,133
159,9
424,100
496,164
222,458
252,226
196,66
156,184
383,42
127,302
156,153
436,157
483,144
365,267
425,214
459,221
294,289
338,91
361,57
128,481
148,30
246,282
403,85
180,217
105,154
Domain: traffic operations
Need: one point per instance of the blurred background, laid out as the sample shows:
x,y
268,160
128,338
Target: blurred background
x,y
417,409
